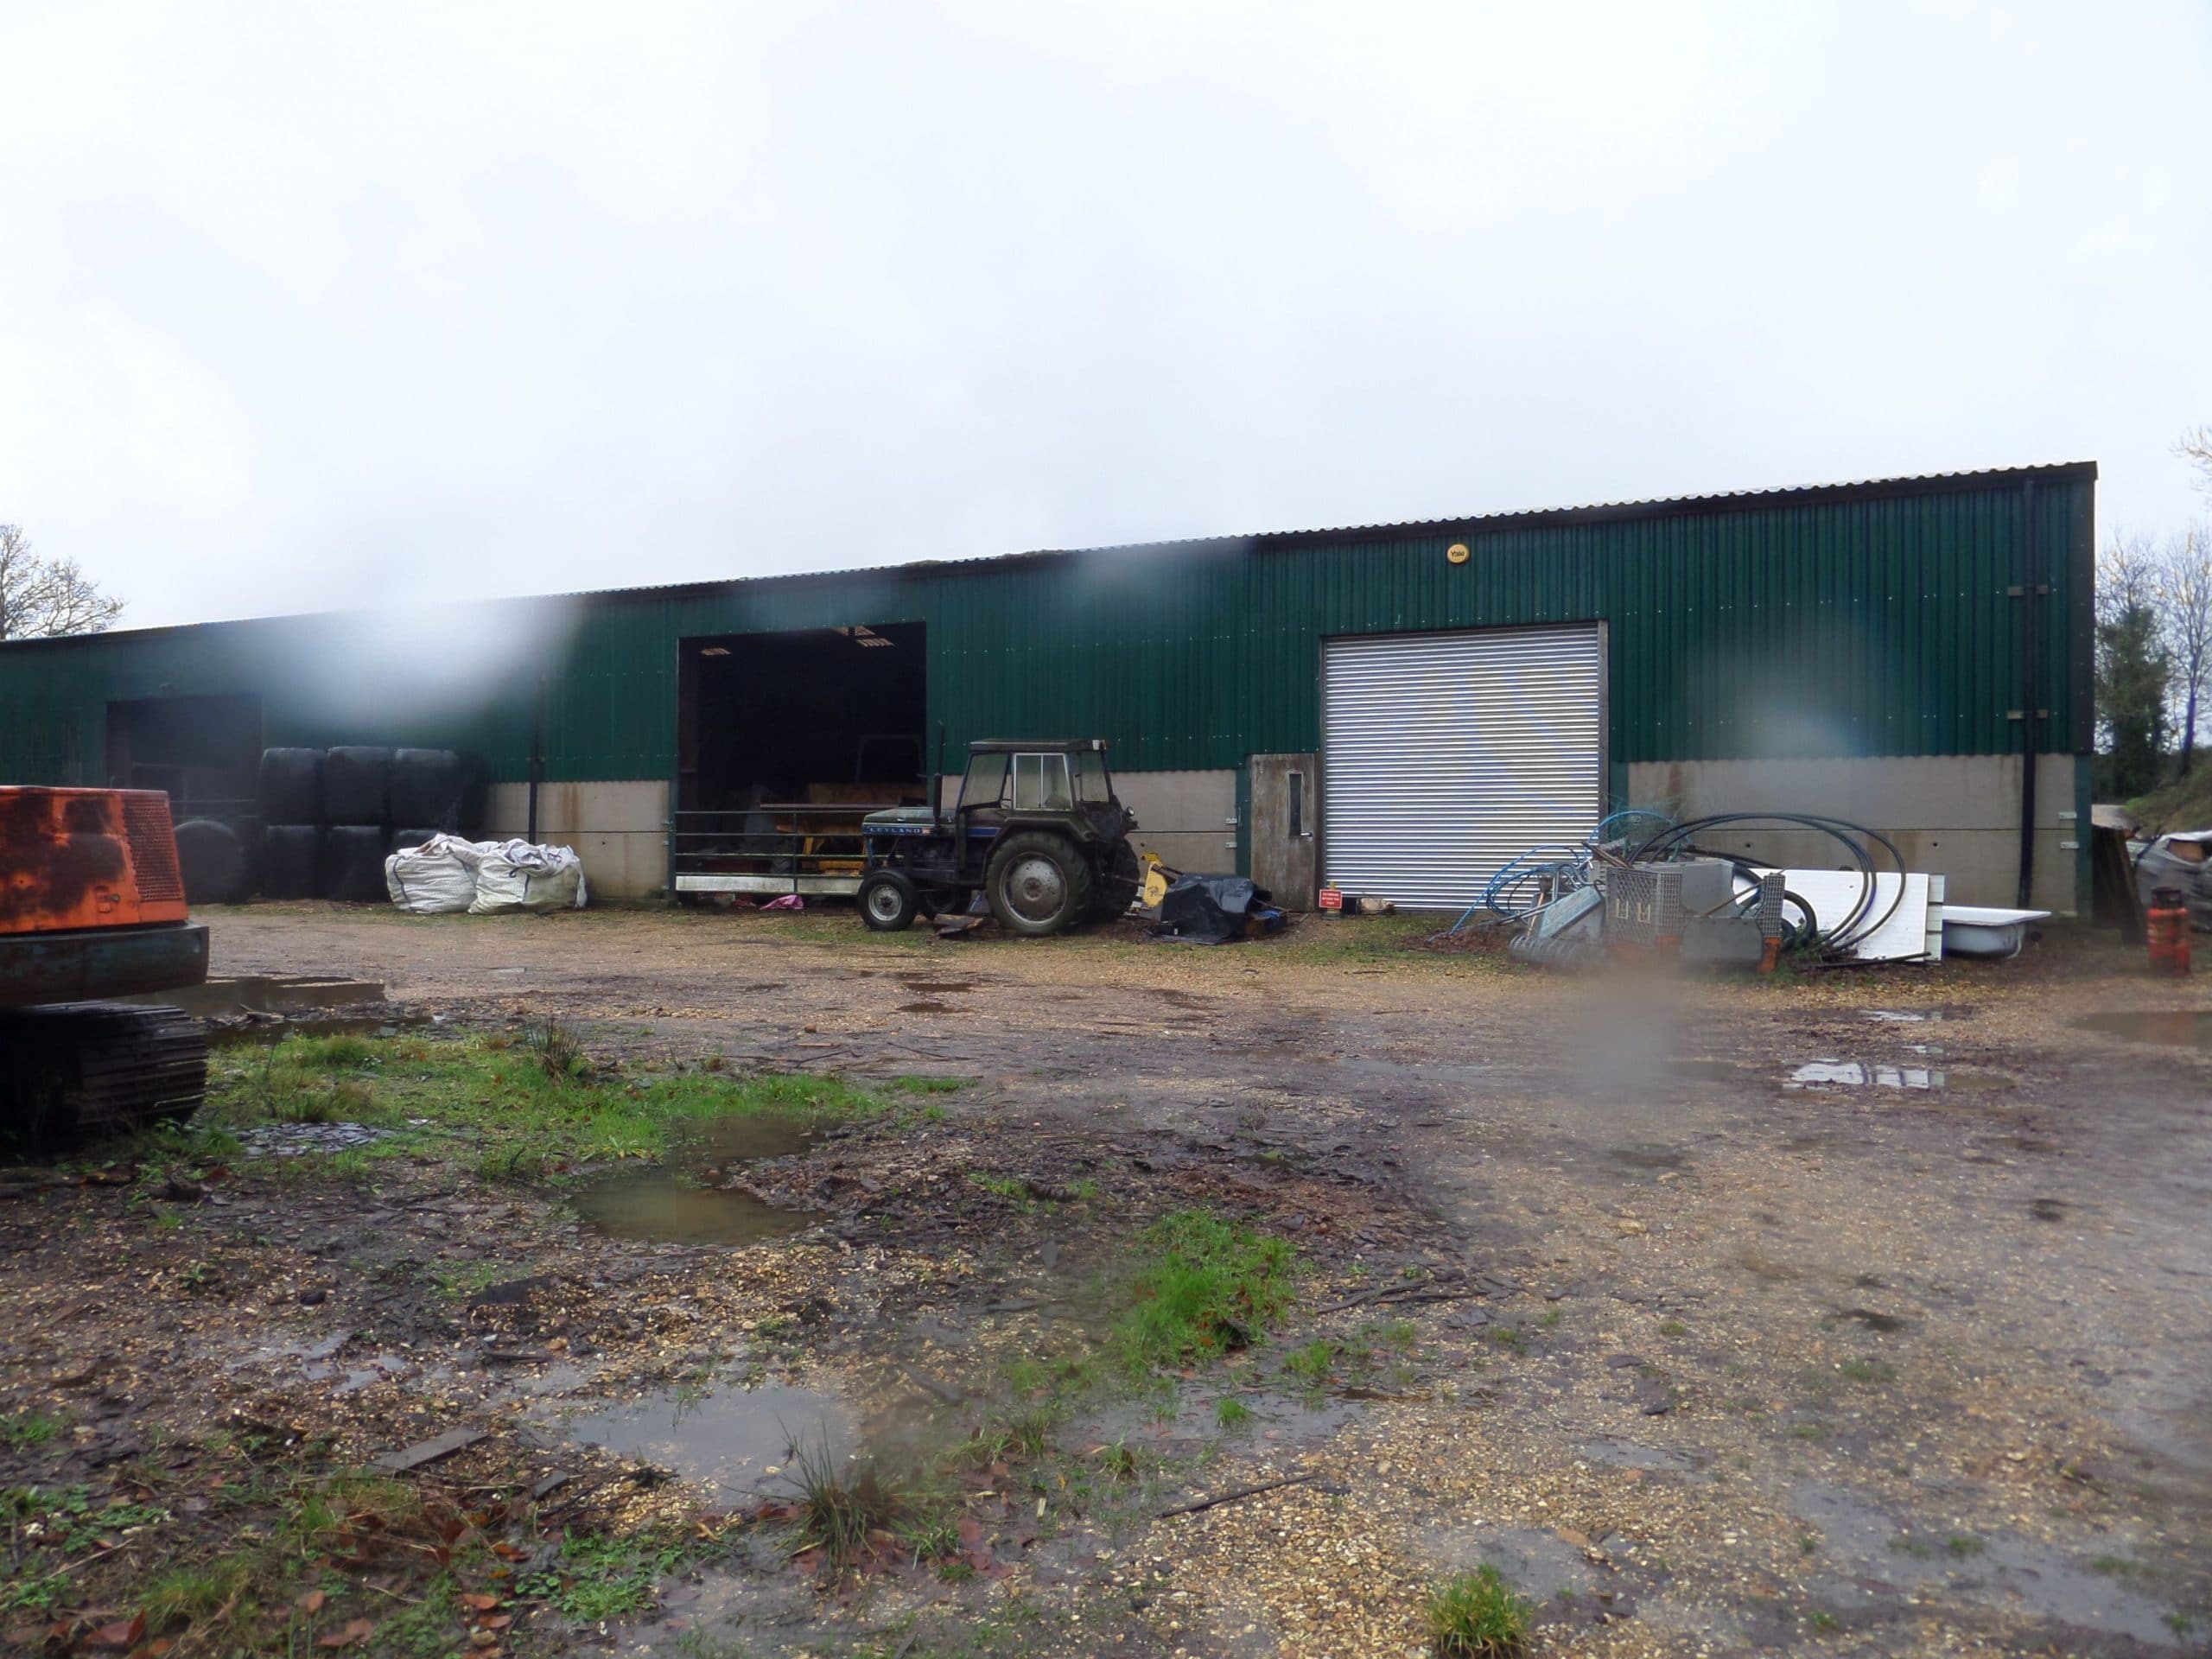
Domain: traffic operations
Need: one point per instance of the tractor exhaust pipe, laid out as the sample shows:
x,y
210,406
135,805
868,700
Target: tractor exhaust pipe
x,y
936,780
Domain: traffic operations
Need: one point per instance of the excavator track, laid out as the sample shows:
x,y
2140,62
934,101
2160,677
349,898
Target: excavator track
x,y
77,1072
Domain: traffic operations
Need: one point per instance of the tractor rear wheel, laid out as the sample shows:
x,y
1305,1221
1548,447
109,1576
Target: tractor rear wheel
x,y
1118,883
1038,884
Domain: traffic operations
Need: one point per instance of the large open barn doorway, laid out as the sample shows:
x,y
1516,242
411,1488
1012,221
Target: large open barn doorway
x,y
784,741
204,752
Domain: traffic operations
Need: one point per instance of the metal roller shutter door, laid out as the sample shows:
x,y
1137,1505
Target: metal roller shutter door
x,y
1447,755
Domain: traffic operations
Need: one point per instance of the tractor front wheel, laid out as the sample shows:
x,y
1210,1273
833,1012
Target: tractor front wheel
x,y
1038,884
888,901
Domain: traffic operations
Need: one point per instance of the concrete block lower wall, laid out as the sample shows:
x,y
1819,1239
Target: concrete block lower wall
x,y
620,828
1184,817
1957,815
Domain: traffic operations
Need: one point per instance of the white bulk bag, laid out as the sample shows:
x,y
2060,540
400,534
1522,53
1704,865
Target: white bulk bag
x,y
435,879
516,876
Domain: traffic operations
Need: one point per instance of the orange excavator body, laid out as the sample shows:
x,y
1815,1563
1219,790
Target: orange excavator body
x,y
71,859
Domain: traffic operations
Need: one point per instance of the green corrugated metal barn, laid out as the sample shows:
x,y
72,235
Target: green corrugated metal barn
x,y
1390,708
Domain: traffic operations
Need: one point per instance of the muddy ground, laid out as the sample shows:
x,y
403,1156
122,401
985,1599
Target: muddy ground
x,y
1853,1314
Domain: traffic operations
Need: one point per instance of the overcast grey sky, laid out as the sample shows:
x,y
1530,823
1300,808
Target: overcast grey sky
x,y
309,306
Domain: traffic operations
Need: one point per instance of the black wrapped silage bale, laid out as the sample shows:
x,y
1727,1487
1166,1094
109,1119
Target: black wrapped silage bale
x,y
291,786
356,785
403,839
217,864
291,861
428,786
352,864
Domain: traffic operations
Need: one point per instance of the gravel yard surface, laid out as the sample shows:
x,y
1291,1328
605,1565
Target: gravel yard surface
x,y
1853,1314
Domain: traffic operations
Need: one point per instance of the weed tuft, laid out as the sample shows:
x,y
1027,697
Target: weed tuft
x,y
1209,1286
24,1429
1475,1616
560,1055
840,1508
1232,1412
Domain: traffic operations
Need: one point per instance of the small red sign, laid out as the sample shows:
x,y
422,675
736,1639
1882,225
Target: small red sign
x,y
1330,899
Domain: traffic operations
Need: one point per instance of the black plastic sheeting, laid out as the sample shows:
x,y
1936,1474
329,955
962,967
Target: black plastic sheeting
x,y
1211,909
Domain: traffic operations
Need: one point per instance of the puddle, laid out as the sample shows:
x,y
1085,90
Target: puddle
x,y
351,1379
927,1008
2177,1028
1709,1070
686,1204
653,1206
1902,1016
291,1139
1868,1561
937,986
1862,1074
1631,1454
735,1443
1278,1420
264,1030
1646,1156
2048,1209
1887,1324
318,1361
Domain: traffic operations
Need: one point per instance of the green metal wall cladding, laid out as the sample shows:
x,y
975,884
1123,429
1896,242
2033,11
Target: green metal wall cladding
x,y
1877,619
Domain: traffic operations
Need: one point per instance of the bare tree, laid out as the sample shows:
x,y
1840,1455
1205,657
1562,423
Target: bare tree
x,y
42,598
2195,447
2181,591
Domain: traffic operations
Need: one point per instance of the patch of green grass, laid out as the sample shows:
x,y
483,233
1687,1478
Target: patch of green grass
x,y
1476,1616
916,1086
341,1053
599,1578
1232,1412
1205,1286
192,1595
462,1280
1867,1369
1673,1328
519,1110
2180,1624
1551,1317
1005,1186
1822,1622
1963,1544
1312,1364
1509,1336
28,1429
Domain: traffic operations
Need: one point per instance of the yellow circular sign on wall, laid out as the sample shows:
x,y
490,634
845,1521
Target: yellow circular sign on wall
x,y
1457,552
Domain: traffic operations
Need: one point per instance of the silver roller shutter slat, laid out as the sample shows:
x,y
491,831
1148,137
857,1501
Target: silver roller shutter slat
x,y
1447,754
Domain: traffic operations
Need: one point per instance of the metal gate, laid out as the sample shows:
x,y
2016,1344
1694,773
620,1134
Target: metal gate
x,y
1447,755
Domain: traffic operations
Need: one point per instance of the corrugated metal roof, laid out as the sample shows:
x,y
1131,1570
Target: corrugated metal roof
x,y
1472,524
